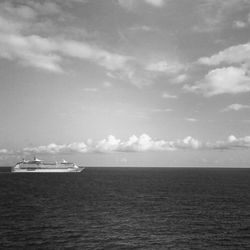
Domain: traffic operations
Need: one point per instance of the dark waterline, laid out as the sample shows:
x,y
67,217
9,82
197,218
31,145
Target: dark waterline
x,y
127,208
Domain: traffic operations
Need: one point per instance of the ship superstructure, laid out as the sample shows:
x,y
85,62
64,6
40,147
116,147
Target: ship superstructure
x,y
40,166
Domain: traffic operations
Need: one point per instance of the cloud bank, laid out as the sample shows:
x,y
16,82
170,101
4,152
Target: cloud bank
x,y
143,143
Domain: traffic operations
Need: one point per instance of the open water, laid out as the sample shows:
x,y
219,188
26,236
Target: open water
x,y
126,208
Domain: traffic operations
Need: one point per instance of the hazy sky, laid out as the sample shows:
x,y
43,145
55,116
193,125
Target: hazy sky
x,y
126,82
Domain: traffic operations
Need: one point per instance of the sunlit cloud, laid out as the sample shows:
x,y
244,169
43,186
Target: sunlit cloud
x,y
230,80
232,143
165,95
4,151
235,107
90,89
130,4
143,143
155,3
107,84
20,42
191,119
165,67
163,110
215,15
55,149
238,54
143,28
239,24
112,144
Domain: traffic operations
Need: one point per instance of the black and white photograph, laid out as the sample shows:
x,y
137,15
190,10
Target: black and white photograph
x,y
125,124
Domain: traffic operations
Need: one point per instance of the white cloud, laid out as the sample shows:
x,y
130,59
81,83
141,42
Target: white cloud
x,y
168,96
143,143
23,40
4,151
215,14
107,84
155,3
239,24
144,28
130,4
84,50
179,78
236,107
33,50
135,74
108,145
165,67
232,143
90,89
161,110
35,55
233,55
230,80
111,144
19,40
187,143
48,53
191,119
55,149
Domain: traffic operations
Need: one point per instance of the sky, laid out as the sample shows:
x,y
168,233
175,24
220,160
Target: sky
x,y
159,83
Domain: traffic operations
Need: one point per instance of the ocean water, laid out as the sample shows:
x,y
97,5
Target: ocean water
x,y
126,208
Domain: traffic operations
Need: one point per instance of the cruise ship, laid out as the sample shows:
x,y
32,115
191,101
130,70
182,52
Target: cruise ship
x,y
39,166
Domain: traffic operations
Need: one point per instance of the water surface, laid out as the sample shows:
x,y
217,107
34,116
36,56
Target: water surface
x,y
126,208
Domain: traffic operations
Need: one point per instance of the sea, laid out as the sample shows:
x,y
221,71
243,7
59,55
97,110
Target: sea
x,y
126,208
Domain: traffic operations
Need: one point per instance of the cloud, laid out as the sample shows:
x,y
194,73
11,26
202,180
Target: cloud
x,y
168,96
236,107
179,78
230,80
107,84
31,50
90,89
191,119
111,144
27,39
131,4
175,71
215,15
233,55
143,28
55,149
239,24
165,67
134,73
143,143
5,151
188,143
161,110
155,3
48,53
83,50
19,41
108,145
232,143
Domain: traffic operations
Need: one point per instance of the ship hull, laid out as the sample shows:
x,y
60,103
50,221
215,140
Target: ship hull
x,y
47,170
